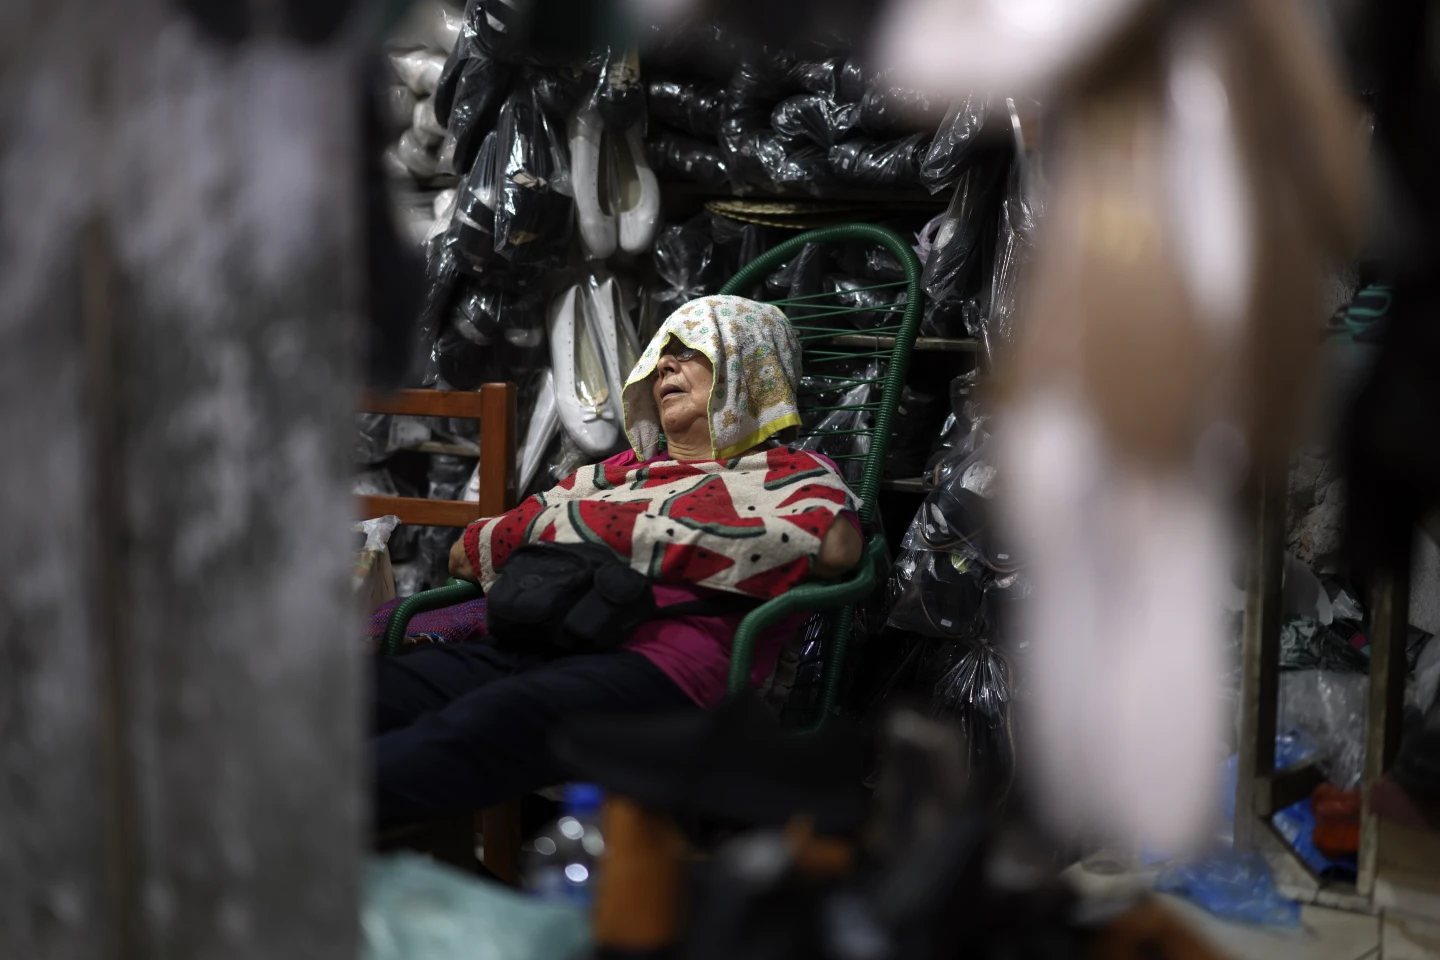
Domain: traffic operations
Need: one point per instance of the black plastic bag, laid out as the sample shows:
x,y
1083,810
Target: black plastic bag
x,y
814,117
974,691
888,110
871,308
850,81
763,78
619,95
741,129
677,157
471,111
792,163
954,143
686,264
803,275
892,164
692,108
818,77
498,29
471,234
954,260
909,434
533,206
873,262
936,594
1014,247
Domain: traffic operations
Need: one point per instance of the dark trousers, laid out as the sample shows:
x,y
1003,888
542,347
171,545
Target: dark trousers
x,y
461,727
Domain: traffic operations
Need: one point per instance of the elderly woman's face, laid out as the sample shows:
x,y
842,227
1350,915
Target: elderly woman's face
x,y
683,378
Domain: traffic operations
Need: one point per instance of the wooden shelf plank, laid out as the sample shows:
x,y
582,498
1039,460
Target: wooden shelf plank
x,y
931,344
905,485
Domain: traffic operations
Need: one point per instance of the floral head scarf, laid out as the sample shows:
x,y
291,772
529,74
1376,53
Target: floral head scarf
x,y
757,369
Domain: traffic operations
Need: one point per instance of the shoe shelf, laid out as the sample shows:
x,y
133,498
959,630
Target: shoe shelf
x,y
904,199
904,485
932,344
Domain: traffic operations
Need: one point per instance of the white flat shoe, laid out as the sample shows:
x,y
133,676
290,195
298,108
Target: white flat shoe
x,y
619,346
589,173
637,192
544,427
582,392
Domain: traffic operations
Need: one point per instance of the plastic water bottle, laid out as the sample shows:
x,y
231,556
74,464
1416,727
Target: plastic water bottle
x,y
562,862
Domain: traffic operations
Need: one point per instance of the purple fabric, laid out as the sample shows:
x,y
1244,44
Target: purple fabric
x,y
456,624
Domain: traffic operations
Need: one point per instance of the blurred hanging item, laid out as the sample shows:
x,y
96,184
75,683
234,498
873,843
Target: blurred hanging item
x,y
1203,163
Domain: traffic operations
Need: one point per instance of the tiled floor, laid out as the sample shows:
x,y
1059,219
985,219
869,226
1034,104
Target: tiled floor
x,y
1324,934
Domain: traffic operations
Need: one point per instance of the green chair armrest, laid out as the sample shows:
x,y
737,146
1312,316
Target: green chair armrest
x,y
455,591
806,598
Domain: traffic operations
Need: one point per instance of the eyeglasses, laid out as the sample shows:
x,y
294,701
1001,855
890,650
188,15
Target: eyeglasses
x,y
679,351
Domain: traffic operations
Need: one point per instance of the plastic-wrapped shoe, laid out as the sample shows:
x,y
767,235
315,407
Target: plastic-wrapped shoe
x,y
544,428
594,199
619,346
637,192
582,393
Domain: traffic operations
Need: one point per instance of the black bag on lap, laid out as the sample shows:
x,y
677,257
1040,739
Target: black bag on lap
x,y
580,598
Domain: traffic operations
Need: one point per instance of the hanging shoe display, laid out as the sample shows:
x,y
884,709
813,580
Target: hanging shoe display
x,y
582,391
591,177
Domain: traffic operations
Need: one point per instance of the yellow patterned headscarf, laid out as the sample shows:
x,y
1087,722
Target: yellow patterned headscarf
x,y
757,369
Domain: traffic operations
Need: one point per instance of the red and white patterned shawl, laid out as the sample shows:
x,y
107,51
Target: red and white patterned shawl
x,y
751,525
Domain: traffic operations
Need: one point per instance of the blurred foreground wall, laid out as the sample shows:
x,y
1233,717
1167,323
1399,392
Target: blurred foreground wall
x,y
180,737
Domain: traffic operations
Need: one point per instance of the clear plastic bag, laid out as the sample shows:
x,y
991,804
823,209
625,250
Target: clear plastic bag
x,y
419,69
954,143
397,108
937,594
909,439
791,163
691,108
875,307
953,265
872,262
836,433
741,130
816,118
471,234
1015,240
427,130
763,78
801,278
850,81
892,164
468,107
686,265
889,110
1233,886
681,158
533,206
1329,709
970,685
497,29
619,95
421,161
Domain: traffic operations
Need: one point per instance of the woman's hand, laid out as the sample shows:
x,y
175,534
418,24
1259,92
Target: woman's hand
x,y
460,563
839,551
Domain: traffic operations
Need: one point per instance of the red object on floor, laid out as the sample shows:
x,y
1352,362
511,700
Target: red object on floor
x,y
1337,820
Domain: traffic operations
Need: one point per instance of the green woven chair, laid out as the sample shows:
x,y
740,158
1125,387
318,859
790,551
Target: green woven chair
x,y
825,349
